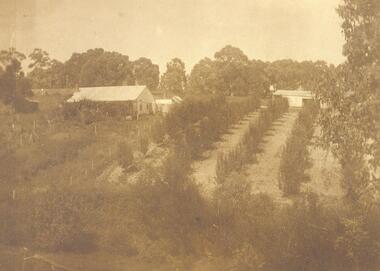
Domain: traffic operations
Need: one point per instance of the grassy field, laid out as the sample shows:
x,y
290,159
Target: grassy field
x,y
48,148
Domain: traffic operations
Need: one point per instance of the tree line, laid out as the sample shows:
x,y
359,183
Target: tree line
x,y
230,72
95,67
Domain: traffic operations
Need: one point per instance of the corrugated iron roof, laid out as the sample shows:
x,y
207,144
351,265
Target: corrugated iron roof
x,y
297,93
108,94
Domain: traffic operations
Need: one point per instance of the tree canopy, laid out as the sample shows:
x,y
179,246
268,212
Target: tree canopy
x,y
95,67
14,86
146,73
350,123
174,80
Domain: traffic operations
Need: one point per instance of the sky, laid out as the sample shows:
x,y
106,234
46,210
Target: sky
x,y
163,29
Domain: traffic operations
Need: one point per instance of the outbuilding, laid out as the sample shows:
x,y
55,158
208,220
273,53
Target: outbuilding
x,y
164,105
296,98
137,100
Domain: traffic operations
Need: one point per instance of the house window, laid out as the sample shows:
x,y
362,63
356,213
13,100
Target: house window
x,y
141,107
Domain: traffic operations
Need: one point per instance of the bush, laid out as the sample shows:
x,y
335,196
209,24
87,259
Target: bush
x,y
169,205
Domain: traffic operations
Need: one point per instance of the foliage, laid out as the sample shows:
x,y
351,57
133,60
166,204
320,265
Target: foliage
x,y
232,73
350,93
199,121
204,78
245,151
107,69
295,156
173,81
158,131
146,73
125,155
143,142
169,205
89,112
289,74
58,222
95,67
14,87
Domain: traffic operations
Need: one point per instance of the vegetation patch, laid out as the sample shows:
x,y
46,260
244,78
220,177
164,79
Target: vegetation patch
x,y
295,156
249,146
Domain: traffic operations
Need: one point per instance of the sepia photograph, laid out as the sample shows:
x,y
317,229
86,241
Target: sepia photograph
x,y
190,135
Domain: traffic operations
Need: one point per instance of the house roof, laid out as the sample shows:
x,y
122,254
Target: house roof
x,y
108,94
295,93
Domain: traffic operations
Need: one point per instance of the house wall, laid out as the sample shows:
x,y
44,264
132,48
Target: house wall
x,y
295,101
145,103
163,108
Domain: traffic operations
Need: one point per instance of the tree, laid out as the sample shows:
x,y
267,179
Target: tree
x,y
12,57
74,65
204,78
146,73
351,121
231,65
45,71
258,80
39,59
173,81
107,69
13,84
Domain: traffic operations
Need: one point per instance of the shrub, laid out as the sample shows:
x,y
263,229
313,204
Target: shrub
x,y
158,131
125,155
58,222
143,142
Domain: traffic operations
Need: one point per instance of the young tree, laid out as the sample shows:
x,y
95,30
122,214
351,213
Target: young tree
x,y
350,123
173,81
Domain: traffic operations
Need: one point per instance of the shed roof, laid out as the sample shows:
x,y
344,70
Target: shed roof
x,y
295,93
108,94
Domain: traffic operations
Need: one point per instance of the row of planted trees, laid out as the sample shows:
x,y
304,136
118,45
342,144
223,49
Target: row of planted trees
x,y
295,156
66,224
200,121
246,150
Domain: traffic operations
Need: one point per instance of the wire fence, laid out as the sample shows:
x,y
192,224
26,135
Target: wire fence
x,y
21,260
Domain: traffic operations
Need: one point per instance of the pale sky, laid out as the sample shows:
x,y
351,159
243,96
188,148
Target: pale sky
x,y
164,29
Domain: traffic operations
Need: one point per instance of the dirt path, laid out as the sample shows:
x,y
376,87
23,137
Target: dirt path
x,y
264,173
205,170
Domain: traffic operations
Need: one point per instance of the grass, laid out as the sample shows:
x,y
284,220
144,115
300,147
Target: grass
x,y
49,148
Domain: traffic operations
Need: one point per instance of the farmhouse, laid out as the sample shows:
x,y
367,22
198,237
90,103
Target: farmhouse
x,y
164,105
296,98
138,100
